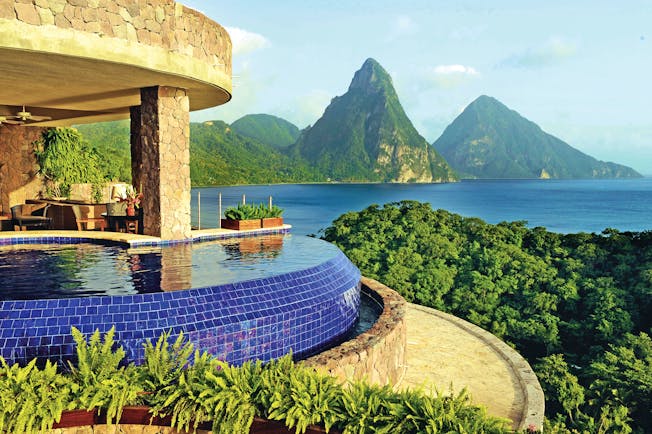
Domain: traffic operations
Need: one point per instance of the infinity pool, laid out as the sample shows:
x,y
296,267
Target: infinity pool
x,y
240,299
30,272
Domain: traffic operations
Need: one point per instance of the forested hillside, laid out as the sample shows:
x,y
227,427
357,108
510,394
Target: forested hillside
x,y
488,140
111,141
577,306
365,135
268,129
218,155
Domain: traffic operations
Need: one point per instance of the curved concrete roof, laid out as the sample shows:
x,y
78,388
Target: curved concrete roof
x,y
80,61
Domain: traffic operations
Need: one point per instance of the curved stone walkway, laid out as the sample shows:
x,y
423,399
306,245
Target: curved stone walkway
x,y
444,351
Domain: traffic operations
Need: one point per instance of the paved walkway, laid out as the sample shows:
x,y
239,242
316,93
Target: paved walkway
x,y
443,350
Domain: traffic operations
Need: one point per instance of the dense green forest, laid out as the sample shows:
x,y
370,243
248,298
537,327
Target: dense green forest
x,y
218,156
577,306
268,129
488,140
365,135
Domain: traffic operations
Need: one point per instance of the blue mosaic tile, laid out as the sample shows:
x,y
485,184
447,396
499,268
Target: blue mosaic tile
x,y
302,311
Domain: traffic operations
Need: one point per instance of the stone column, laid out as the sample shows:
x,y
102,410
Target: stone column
x,y
162,161
136,148
18,166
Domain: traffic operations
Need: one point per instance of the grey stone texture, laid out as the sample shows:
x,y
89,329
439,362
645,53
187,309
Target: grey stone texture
x,y
161,167
18,166
161,23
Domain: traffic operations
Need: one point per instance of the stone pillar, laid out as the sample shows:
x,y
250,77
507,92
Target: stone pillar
x,y
162,161
136,148
18,166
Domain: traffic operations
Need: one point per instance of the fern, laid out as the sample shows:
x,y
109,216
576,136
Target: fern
x,y
163,365
31,399
101,382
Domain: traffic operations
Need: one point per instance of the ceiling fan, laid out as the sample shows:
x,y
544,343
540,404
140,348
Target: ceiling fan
x,y
23,116
4,120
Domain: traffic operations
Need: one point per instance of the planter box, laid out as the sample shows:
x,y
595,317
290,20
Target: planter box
x,y
272,222
140,415
264,426
241,225
72,418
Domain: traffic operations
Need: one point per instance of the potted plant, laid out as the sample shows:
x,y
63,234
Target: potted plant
x,y
242,217
99,379
32,399
272,217
133,199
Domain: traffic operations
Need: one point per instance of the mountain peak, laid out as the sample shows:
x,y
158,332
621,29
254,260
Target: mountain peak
x,y
490,140
365,135
371,74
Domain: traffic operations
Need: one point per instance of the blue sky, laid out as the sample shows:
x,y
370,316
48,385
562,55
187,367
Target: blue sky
x,y
580,69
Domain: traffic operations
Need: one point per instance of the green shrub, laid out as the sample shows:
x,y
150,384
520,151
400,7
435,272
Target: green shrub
x,y
228,397
252,212
102,383
31,399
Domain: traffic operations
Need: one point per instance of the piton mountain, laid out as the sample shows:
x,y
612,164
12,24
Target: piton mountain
x,y
488,140
365,135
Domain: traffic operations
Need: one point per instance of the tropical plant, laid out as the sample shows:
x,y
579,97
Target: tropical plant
x,y
184,399
102,383
251,212
65,159
164,363
228,397
31,399
299,396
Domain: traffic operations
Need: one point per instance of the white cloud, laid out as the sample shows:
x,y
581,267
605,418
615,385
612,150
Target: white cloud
x,y
553,51
454,69
448,76
245,41
402,25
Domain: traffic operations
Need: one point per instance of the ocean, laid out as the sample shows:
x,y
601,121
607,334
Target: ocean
x,y
564,206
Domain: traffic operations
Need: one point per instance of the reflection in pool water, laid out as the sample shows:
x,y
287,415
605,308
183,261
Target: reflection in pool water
x,y
81,270
240,299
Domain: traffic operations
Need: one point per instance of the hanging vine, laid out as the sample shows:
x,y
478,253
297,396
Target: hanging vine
x,y
65,159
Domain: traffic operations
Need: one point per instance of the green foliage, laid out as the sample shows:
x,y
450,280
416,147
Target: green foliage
x,y
65,159
365,135
267,129
250,212
221,156
562,388
111,139
488,140
568,303
163,365
228,397
100,380
31,399
625,372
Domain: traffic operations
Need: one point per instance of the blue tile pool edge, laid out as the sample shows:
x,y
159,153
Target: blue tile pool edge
x,y
26,238
307,323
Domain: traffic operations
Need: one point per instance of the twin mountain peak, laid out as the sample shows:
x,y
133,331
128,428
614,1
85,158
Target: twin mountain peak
x,y
365,135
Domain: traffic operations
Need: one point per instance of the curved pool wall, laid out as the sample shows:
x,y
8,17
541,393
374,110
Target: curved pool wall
x,y
302,311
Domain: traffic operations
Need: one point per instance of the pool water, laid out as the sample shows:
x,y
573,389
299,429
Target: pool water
x,y
29,272
240,299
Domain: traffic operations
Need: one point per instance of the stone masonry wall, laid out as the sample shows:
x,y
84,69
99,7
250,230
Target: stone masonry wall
x,y
18,166
159,23
164,152
377,354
